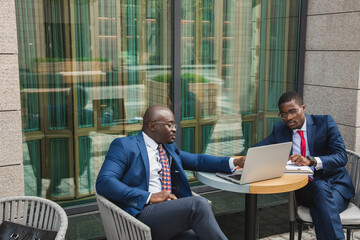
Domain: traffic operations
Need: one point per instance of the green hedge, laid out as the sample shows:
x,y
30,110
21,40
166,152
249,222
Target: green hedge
x,y
185,77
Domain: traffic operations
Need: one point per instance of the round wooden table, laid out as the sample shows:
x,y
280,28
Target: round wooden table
x,y
286,183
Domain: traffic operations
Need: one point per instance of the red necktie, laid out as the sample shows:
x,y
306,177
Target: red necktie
x,y
165,176
302,144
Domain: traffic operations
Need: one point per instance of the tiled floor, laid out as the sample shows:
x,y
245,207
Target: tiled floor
x,y
85,226
308,234
273,218
228,208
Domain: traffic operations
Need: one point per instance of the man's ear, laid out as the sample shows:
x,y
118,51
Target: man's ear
x,y
152,126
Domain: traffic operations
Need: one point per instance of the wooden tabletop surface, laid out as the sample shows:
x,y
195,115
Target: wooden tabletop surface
x,y
286,183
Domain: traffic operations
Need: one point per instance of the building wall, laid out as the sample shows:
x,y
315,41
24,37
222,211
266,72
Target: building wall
x,y
332,58
11,168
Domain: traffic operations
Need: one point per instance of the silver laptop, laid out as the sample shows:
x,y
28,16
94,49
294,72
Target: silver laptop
x,y
262,163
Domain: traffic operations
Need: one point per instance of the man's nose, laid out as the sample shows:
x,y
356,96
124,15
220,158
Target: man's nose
x,y
289,117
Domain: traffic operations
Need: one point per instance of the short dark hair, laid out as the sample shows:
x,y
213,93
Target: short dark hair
x,y
289,96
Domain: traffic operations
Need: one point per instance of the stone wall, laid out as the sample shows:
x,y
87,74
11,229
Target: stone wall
x,y
332,59
11,167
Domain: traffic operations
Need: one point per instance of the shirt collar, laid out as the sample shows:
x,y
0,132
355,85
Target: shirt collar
x,y
150,142
303,128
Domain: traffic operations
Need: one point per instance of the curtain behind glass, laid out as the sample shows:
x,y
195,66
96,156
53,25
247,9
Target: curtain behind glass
x,y
238,57
88,71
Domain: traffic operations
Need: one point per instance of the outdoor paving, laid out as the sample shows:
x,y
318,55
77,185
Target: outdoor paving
x,y
308,234
273,218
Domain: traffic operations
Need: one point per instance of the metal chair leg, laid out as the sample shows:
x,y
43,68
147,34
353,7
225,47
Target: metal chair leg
x,y
348,234
292,230
292,215
300,231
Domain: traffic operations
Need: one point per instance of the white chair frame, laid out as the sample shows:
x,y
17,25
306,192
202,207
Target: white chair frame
x,y
350,218
35,212
118,224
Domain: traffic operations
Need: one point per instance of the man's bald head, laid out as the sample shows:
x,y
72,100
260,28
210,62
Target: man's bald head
x,y
156,122
153,113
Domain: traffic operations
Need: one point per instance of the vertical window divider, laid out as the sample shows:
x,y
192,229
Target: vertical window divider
x,y
302,45
176,65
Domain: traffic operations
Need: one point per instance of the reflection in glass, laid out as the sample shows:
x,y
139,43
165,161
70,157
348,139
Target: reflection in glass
x,y
237,58
32,168
89,69
86,76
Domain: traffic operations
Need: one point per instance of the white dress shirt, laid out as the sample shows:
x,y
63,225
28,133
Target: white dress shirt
x,y
155,165
296,145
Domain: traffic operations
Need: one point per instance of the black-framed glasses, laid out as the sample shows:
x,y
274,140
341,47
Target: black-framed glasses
x,y
291,112
169,124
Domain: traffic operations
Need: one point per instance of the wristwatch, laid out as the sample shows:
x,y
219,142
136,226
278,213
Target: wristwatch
x,y
312,161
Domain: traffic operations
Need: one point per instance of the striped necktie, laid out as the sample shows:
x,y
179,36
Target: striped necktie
x,y
165,176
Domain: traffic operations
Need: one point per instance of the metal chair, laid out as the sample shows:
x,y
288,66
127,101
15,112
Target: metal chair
x,y
35,212
118,224
350,218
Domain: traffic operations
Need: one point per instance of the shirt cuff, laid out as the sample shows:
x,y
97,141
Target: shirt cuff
x,y
148,200
319,164
231,165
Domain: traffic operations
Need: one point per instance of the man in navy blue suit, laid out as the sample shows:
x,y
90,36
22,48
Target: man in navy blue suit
x,y
131,177
328,192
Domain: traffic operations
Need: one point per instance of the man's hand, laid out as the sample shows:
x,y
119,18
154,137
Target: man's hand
x,y
299,160
161,197
239,161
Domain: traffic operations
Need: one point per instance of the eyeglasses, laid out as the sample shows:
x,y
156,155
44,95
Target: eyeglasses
x,y
169,124
291,113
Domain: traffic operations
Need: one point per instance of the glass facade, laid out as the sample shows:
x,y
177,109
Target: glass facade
x,y
89,69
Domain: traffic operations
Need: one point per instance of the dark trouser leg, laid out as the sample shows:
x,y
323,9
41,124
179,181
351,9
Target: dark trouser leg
x,y
325,205
170,219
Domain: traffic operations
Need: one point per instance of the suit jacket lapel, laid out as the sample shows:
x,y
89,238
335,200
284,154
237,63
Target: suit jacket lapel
x,y
144,156
288,136
173,158
310,128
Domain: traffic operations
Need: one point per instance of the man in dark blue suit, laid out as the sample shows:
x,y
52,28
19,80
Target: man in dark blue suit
x,y
132,177
328,192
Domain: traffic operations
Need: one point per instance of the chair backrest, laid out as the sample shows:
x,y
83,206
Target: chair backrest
x,y
34,212
118,224
353,167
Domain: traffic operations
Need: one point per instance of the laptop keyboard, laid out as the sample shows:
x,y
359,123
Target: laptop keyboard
x,y
236,177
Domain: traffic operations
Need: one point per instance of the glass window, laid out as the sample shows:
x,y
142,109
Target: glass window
x,y
237,58
89,69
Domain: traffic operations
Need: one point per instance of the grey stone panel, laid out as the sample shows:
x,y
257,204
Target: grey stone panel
x,y
11,138
12,181
332,68
8,39
9,83
333,32
340,103
357,140
332,6
349,134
